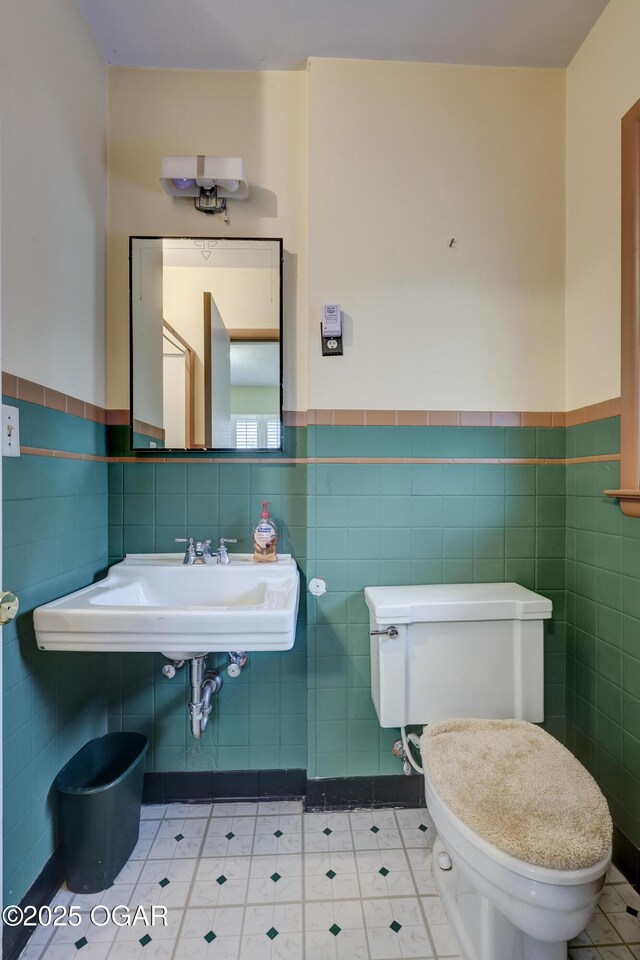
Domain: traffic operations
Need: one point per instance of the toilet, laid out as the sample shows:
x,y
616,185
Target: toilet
x,y
523,832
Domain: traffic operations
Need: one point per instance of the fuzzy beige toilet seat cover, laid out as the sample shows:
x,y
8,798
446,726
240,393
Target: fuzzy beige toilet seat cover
x,y
520,789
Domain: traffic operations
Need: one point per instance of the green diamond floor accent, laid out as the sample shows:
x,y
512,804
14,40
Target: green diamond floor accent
x,y
395,926
164,882
144,940
221,879
275,877
423,828
209,937
331,874
179,837
335,929
229,836
272,934
278,834
383,871
82,942
327,831
375,829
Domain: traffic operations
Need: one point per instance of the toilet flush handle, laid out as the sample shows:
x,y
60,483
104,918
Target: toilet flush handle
x,y
391,632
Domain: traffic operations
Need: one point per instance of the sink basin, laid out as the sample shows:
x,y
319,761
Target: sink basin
x,y
154,603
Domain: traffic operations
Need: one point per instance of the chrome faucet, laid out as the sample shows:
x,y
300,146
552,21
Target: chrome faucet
x,y
195,552
222,553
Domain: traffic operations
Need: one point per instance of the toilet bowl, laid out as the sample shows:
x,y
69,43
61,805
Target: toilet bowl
x,y
502,908
524,834
528,833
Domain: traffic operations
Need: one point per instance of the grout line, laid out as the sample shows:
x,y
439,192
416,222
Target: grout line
x,y
244,905
355,861
415,884
192,882
292,903
303,883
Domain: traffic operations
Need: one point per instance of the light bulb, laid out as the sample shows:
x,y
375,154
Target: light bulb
x,y
184,183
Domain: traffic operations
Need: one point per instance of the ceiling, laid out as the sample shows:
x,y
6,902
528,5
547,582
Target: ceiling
x,y
281,34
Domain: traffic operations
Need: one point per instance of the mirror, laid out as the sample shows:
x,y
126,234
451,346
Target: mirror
x,y
206,343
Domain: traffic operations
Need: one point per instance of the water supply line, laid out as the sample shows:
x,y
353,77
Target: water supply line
x,y
237,660
401,748
414,740
204,686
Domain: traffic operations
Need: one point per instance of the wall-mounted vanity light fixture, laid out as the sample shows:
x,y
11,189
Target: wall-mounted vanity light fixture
x,y
210,181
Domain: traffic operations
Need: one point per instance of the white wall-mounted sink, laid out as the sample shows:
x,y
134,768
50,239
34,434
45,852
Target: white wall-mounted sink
x,y
155,603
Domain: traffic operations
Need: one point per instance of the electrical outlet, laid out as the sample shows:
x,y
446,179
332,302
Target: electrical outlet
x,y
10,431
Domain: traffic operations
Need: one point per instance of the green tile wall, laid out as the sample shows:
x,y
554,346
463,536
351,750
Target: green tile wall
x,y
353,524
548,527
419,523
603,625
55,541
259,718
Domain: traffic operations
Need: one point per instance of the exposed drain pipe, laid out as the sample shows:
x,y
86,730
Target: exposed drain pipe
x,y
204,686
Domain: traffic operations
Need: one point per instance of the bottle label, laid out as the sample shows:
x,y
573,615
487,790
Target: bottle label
x,y
264,535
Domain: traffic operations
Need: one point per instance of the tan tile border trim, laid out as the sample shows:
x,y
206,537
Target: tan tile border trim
x,y
456,418
117,418
21,389
539,461
148,429
294,418
595,411
62,454
603,458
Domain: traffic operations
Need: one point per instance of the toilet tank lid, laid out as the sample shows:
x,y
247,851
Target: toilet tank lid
x,y
431,602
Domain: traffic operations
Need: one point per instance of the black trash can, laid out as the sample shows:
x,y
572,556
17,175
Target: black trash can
x,y
99,795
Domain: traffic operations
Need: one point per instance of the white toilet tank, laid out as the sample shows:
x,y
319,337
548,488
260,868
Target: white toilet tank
x,y
461,650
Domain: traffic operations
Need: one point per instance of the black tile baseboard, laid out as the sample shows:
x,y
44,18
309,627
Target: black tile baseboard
x,y
626,857
40,894
346,793
333,793
209,785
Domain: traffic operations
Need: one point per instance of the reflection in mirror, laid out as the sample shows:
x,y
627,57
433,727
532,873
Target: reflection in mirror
x,y
206,343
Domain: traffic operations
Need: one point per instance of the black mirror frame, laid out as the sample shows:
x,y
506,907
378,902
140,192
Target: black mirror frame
x,y
187,451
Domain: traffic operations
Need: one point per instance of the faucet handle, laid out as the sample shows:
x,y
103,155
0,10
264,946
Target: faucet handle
x,y
190,550
221,552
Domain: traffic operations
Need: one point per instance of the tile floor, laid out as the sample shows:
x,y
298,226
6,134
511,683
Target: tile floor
x,y
264,881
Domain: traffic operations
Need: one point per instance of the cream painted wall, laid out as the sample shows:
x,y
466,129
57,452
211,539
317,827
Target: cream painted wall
x,y
258,116
245,298
53,114
183,288
603,82
403,157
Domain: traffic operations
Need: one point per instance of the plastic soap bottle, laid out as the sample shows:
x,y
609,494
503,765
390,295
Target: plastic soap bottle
x,y
265,537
